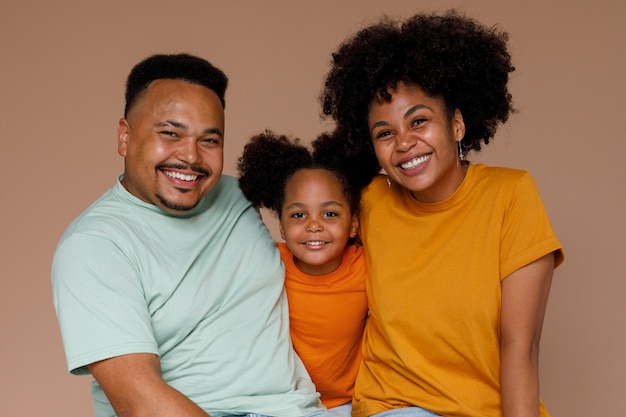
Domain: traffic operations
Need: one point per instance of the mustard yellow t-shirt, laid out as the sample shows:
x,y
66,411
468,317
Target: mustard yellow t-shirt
x,y
432,339
327,314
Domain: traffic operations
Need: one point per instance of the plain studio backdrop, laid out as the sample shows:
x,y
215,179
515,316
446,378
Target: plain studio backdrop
x,y
63,68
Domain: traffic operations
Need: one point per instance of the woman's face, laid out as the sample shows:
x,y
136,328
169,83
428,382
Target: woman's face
x,y
415,142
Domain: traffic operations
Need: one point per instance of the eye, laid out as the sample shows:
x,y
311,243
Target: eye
x,y
330,214
297,215
168,133
211,141
383,135
418,121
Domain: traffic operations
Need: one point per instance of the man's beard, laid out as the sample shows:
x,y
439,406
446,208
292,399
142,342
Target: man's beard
x,y
173,206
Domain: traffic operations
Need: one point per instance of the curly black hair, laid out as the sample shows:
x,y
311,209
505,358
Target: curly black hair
x,y
448,55
182,66
269,160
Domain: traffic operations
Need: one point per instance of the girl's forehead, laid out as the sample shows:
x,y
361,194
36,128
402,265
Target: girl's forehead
x,y
313,175
314,181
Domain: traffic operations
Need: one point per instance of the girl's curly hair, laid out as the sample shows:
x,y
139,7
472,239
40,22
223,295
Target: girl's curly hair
x,y
448,56
269,160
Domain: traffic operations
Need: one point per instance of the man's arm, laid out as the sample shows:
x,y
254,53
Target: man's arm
x,y
524,298
134,386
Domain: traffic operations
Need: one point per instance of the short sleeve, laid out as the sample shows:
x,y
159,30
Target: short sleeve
x,y
99,301
527,234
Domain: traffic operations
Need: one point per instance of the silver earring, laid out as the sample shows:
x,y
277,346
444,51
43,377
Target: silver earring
x,y
461,159
388,183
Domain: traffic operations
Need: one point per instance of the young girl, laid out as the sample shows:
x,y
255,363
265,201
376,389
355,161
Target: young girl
x,y
316,203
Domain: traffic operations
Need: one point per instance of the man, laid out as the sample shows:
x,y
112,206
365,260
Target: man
x,y
169,288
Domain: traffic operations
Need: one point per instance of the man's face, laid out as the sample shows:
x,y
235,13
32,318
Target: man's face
x,y
172,142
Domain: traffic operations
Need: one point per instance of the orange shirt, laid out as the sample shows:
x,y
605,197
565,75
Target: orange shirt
x,y
433,337
327,316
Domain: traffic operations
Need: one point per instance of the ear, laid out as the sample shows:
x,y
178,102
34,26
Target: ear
x,y
354,225
123,132
458,126
282,231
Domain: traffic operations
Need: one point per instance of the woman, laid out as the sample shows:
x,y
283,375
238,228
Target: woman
x,y
461,255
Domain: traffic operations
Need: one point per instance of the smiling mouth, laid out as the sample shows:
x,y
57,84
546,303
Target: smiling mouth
x,y
415,162
179,176
315,243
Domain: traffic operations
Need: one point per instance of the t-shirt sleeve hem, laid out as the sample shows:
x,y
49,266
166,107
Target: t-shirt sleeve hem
x,y
78,365
532,254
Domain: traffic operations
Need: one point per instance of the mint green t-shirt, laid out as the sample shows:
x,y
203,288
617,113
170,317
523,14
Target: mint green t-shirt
x,y
203,290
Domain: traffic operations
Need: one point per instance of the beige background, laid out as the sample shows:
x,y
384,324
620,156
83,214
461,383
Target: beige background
x,y
63,66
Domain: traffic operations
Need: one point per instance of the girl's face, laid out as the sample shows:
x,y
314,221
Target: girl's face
x,y
316,221
416,142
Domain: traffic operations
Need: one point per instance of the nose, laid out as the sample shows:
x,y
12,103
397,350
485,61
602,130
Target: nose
x,y
188,151
405,141
313,226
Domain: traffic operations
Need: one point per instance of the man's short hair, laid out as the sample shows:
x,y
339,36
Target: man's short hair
x,y
184,67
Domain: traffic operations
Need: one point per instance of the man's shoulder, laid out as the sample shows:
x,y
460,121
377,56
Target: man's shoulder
x,y
226,193
227,185
101,207
229,180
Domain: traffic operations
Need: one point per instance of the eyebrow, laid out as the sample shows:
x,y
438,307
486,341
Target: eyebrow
x,y
413,109
325,204
407,114
182,126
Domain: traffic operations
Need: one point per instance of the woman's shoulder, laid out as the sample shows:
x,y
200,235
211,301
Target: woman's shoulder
x,y
497,171
498,175
379,186
503,183
379,181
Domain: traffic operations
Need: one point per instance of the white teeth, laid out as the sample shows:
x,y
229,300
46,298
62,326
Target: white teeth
x,y
415,162
315,242
180,176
